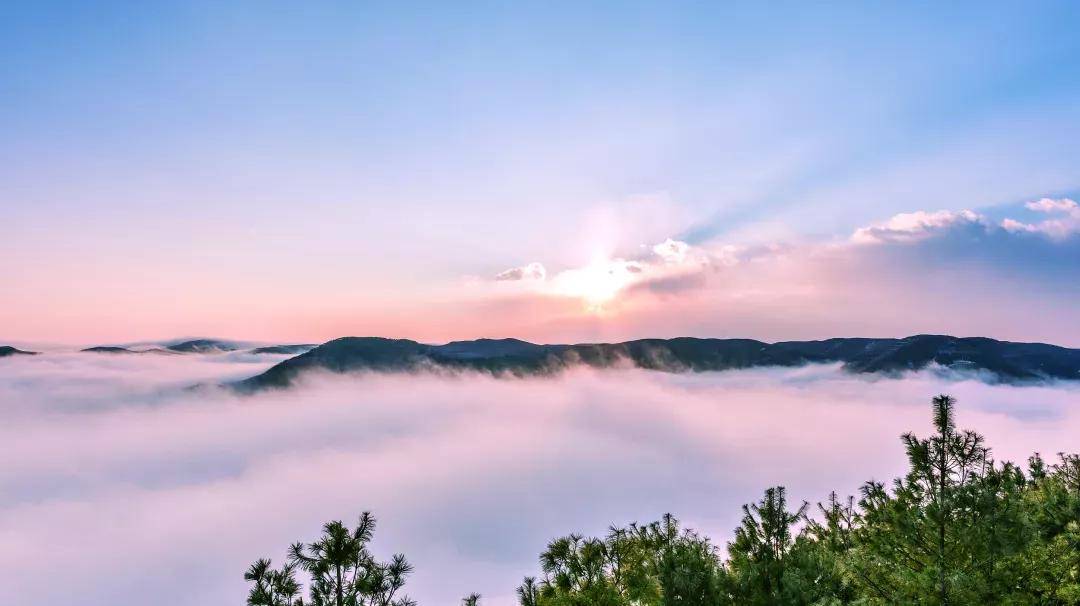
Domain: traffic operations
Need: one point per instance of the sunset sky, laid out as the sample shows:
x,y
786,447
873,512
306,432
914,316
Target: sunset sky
x,y
274,172
302,171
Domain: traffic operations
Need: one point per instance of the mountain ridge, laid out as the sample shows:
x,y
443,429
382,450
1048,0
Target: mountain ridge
x,y
1007,361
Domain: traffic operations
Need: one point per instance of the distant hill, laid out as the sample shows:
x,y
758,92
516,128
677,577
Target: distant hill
x,y
284,349
7,350
204,346
108,349
1011,362
113,349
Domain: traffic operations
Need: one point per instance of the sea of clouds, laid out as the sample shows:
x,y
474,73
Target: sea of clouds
x,y
119,486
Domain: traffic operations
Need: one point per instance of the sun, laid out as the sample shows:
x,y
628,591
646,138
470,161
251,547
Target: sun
x,y
598,283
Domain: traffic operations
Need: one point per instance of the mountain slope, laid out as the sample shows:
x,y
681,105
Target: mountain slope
x,y
7,350
1007,361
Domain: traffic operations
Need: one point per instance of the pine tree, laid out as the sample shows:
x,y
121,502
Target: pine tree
x,y
343,572
273,587
528,593
760,548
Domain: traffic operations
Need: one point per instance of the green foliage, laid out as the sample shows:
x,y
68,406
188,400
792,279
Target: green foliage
x,y
656,564
273,587
759,555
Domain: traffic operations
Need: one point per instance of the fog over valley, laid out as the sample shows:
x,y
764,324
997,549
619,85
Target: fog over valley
x,y
130,482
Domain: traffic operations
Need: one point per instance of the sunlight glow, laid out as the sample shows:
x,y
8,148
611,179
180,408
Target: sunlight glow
x,y
600,282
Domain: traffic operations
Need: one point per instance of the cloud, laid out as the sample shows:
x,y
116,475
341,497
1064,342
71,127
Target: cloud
x,y
918,225
671,251
910,227
532,271
133,485
1066,221
1049,205
674,284
671,264
1042,255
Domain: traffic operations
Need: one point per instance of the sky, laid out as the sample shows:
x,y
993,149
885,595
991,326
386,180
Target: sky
x,y
552,171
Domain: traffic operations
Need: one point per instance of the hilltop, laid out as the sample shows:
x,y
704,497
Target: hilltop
x,y
1001,360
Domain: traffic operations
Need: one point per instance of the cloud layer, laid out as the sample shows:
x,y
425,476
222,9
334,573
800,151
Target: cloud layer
x,y
137,487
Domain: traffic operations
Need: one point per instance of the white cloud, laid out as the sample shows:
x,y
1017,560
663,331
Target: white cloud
x,y
919,225
532,271
1050,205
1014,226
913,226
671,251
1065,221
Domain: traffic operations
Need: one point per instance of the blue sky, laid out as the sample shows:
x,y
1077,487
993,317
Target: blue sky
x,y
379,152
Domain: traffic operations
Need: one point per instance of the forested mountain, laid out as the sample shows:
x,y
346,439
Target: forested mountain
x,y
958,528
1005,360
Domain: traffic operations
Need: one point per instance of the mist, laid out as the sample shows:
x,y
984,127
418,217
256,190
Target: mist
x,y
117,481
